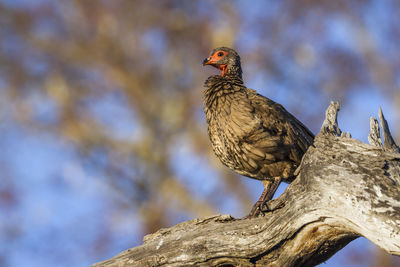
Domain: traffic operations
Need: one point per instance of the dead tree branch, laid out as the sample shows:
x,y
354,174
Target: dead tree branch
x,y
345,189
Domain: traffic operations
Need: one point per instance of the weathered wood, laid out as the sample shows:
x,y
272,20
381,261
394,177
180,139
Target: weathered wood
x,y
330,125
345,189
374,137
389,143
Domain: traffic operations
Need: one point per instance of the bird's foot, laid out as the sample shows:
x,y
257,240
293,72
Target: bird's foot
x,y
259,209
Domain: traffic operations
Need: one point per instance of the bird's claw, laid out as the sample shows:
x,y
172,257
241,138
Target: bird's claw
x,y
259,209
264,207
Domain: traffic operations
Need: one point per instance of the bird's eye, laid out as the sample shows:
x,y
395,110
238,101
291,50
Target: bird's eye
x,y
220,54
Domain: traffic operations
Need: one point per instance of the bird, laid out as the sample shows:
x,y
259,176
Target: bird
x,y
250,133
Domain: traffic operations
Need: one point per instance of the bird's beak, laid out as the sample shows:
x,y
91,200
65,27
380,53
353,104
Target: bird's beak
x,y
207,61
210,61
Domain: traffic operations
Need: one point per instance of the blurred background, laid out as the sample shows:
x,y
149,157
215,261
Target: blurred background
x,y
103,137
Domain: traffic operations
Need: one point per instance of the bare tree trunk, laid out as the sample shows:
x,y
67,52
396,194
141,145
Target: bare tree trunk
x,y
344,189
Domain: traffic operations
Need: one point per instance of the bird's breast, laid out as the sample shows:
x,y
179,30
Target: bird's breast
x,y
230,118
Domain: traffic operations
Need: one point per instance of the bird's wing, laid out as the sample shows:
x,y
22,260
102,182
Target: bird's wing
x,y
281,135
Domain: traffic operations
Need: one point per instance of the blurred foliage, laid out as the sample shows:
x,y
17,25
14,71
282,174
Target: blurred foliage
x,y
121,83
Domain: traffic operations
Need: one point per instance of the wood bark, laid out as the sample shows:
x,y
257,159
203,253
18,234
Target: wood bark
x,y
344,189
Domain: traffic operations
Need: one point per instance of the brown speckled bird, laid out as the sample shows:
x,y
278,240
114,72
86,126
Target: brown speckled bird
x,y
251,134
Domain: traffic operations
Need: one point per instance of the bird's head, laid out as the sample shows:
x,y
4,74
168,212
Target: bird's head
x,y
225,59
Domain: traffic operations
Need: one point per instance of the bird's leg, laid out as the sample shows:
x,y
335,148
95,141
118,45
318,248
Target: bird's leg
x,y
261,205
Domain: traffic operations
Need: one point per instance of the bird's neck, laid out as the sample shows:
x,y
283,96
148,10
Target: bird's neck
x,y
219,86
234,70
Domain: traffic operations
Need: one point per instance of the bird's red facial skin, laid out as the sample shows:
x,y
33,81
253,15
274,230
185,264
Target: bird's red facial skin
x,y
213,60
218,55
